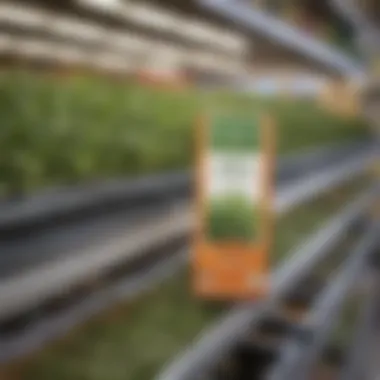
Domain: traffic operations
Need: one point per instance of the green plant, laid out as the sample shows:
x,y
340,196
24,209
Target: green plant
x,y
57,131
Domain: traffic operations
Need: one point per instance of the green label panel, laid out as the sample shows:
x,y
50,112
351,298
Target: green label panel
x,y
229,133
233,162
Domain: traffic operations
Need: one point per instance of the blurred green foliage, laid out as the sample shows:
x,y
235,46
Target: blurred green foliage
x,y
62,130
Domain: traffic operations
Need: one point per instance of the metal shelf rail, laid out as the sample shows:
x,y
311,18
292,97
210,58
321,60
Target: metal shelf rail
x,y
220,339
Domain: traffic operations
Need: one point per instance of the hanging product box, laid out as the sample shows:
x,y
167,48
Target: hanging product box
x,y
234,206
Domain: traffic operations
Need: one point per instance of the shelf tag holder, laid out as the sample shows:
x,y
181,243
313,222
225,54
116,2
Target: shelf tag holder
x,y
234,206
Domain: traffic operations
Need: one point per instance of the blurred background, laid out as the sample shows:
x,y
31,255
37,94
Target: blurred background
x,y
98,104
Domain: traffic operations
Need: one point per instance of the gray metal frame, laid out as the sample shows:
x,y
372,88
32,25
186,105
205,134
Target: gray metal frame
x,y
221,338
297,358
287,36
